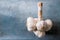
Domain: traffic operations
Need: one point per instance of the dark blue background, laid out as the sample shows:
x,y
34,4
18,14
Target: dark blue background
x,y
13,15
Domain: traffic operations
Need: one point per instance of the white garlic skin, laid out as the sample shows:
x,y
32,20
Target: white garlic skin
x,y
49,24
39,33
41,25
30,24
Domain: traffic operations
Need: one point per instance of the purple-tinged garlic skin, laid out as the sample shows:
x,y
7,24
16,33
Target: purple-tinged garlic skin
x,y
39,33
30,24
49,24
41,25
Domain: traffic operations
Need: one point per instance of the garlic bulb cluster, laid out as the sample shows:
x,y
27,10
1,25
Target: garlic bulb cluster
x,y
37,25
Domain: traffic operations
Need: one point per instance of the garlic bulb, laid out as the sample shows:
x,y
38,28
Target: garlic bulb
x,y
37,25
39,33
49,24
41,25
31,24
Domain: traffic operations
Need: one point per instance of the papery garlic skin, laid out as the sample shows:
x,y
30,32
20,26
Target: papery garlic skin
x,y
41,25
49,24
30,24
39,33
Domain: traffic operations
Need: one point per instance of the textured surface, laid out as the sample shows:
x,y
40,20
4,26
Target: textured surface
x,y
13,15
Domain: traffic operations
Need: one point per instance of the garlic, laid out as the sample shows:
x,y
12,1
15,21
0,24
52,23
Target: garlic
x,y
49,24
39,33
31,24
37,25
41,25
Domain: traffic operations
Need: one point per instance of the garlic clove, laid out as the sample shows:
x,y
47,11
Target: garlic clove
x,y
30,24
39,33
49,24
41,25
